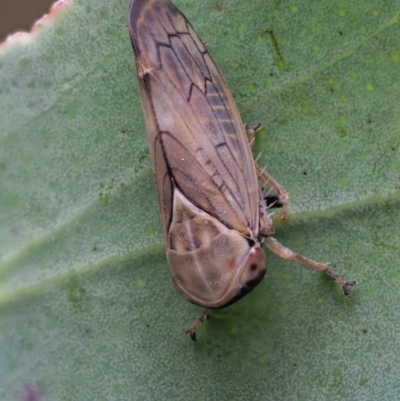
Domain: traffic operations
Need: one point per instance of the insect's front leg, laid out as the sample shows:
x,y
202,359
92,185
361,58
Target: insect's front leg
x,y
287,253
191,330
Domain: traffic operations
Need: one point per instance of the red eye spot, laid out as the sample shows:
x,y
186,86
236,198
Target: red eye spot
x,y
255,270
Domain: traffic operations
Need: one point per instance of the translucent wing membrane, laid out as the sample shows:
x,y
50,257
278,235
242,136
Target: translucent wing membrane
x,y
192,120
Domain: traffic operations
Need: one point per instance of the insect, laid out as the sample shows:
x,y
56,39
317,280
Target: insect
x,y
215,214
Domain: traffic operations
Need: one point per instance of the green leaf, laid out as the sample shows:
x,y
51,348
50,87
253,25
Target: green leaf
x,y
87,308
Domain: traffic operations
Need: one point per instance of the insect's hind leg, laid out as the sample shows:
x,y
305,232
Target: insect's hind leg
x,y
272,201
281,193
287,253
281,198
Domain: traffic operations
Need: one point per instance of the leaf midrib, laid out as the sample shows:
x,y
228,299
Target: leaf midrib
x,y
34,289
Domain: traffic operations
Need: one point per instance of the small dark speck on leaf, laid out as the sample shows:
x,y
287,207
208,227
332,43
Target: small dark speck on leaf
x,y
218,7
365,331
304,172
340,33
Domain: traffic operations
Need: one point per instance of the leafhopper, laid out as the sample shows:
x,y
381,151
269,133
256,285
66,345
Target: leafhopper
x,y
215,215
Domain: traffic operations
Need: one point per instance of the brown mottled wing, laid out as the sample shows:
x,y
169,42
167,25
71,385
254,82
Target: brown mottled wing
x,y
195,130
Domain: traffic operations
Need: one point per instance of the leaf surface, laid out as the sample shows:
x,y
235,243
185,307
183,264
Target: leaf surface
x,y
87,309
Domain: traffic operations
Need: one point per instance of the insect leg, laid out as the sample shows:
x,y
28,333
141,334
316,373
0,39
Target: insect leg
x,y
191,330
251,130
272,201
287,253
283,196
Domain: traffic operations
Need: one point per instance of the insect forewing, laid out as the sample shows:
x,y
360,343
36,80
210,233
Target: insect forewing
x,y
192,120
204,170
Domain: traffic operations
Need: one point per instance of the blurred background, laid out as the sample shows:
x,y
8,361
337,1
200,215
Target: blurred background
x,y
20,15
